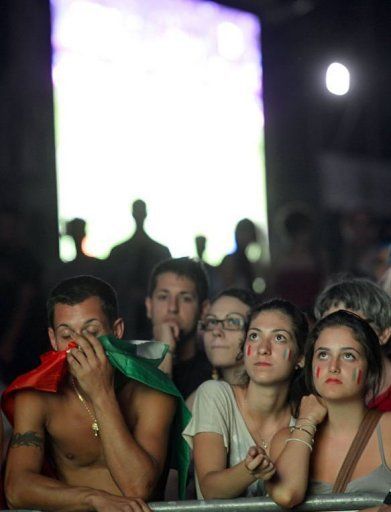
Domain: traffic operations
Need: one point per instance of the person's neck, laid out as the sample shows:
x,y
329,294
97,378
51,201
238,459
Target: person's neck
x,y
345,416
270,401
234,375
186,349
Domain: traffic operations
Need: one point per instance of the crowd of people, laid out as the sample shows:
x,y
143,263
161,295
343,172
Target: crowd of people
x,y
234,394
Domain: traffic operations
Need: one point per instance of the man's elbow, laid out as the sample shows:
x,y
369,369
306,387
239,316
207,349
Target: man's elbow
x,y
142,488
15,493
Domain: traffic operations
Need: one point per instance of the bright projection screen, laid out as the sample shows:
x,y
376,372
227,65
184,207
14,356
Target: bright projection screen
x,y
159,100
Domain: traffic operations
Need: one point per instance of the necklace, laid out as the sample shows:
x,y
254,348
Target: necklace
x,y
253,426
264,444
94,426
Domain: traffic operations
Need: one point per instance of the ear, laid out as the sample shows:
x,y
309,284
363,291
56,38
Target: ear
x,y
148,307
300,361
52,337
385,336
118,328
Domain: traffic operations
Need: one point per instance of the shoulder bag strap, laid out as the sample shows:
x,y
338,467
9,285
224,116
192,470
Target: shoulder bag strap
x,y
359,442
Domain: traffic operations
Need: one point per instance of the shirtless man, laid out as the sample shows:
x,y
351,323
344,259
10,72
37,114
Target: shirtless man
x,y
109,448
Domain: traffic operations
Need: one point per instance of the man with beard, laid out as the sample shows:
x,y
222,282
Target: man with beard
x,y
177,299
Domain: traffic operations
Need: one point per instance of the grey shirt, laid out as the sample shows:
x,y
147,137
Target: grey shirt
x,y
215,410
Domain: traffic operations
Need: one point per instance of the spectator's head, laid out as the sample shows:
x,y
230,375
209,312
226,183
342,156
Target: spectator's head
x,y
360,296
139,212
274,346
343,357
178,292
245,233
200,243
76,228
223,327
82,303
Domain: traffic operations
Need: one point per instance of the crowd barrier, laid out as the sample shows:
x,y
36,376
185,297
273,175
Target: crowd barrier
x,y
318,503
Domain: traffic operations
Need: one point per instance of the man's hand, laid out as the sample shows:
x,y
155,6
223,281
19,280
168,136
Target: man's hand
x,y
168,333
104,502
259,464
89,365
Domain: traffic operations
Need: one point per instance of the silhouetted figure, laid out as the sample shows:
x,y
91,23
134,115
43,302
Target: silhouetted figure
x,y
82,264
22,318
237,269
130,264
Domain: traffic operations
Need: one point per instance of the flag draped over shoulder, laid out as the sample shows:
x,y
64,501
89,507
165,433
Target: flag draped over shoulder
x,y
138,360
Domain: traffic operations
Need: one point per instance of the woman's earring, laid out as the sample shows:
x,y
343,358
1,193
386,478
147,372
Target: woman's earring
x,y
215,374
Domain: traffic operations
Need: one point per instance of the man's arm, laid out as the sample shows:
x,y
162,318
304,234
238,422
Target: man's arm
x,y
134,435
167,333
26,488
136,454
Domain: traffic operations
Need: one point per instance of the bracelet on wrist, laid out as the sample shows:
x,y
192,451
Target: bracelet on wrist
x,y
299,441
310,420
302,428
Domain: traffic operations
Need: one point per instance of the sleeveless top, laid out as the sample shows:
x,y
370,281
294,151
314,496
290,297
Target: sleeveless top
x,y
379,480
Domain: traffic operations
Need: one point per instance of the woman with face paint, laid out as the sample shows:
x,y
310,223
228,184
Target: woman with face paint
x,y
343,365
233,425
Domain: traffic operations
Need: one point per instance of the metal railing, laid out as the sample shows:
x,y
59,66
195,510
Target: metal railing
x,y
318,503
321,502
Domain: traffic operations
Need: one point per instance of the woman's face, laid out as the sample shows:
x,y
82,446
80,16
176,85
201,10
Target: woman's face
x,y
223,342
271,352
339,365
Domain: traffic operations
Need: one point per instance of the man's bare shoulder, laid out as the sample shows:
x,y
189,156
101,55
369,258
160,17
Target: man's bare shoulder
x,y
138,399
36,403
31,398
135,391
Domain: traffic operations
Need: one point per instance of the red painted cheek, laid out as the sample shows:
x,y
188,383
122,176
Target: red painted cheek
x,y
248,350
317,372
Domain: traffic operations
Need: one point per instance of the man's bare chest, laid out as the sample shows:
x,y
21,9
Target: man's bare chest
x,y
70,435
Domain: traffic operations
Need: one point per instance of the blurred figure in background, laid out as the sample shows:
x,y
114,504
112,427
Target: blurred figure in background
x,y
360,235
300,268
82,264
241,268
128,269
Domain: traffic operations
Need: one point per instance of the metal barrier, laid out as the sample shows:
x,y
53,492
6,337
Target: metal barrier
x,y
321,502
318,503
